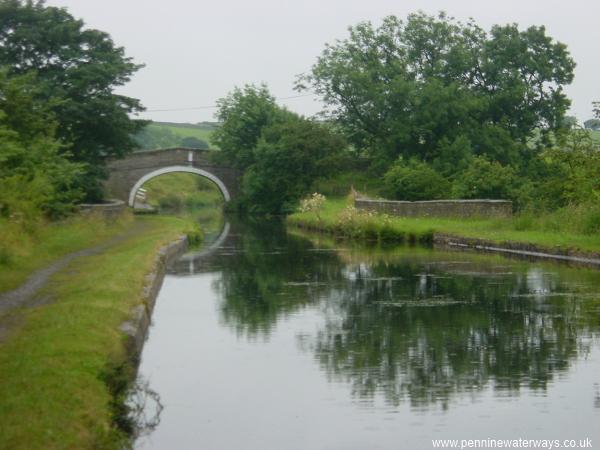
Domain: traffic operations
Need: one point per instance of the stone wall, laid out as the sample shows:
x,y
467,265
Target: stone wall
x,y
438,208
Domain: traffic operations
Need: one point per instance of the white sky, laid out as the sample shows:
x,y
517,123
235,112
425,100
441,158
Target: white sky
x,y
196,51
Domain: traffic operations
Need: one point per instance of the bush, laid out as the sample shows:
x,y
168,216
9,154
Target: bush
x,y
170,201
415,181
486,179
195,236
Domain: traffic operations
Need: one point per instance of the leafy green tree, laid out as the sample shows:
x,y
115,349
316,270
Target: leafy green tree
x,y
576,162
244,113
35,175
569,122
415,87
415,180
193,142
592,124
80,68
287,159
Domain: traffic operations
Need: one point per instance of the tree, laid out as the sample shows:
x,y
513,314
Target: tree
x,y
592,124
244,113
279,152
193,142
569,122
79,68
577,171
35,175
414,88
287,159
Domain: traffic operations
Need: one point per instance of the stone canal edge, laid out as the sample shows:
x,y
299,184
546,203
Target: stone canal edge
x,y
136,327
518,249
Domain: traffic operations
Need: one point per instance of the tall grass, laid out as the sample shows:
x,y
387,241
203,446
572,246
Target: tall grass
x,y
27,246
570,228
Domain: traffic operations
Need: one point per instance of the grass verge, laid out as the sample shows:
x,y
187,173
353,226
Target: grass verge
x,y
551,232
28,248
53,368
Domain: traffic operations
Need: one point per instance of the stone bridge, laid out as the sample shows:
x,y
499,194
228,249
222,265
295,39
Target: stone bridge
x,y
127,175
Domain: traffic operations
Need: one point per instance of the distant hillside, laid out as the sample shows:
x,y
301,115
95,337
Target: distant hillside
x,y
198,130
199,125
172,134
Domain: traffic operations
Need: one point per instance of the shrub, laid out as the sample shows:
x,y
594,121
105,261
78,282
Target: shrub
x,y
312,203
415,181
170,201
195,236
486,179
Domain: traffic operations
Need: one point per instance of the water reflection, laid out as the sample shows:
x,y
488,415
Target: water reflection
x,y
408,324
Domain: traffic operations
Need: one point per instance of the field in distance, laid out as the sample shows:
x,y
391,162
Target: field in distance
x,y
171,134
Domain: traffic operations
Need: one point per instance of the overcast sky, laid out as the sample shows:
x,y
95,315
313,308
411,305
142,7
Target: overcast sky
x,y
196,51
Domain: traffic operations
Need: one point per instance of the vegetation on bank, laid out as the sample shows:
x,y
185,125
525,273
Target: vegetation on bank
x,y
24,249
73,72
279,153
429,108
62,366
573,228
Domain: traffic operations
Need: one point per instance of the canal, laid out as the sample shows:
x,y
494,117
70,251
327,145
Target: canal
x,y
272,339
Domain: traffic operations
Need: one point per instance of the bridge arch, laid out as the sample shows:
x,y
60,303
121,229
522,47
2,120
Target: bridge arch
x,y
171,169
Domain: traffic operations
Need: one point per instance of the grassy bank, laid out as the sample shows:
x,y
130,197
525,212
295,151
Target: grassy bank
x,y
560,230
26,248
58,366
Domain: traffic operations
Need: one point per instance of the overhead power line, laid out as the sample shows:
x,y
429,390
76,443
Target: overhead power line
x,y
195,108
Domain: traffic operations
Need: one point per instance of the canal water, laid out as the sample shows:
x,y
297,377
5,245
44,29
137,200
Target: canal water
x,y
276,340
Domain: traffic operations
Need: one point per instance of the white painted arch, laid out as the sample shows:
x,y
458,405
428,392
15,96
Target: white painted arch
x,y
172,169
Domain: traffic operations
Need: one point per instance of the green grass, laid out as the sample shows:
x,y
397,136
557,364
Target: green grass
x,y
188,195
52,368
550,231
28,248
187,130
186,187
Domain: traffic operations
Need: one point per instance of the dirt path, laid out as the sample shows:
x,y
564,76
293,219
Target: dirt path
x,y
26,295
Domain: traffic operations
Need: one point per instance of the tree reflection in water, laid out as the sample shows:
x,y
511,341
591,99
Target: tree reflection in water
x,y
413,324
